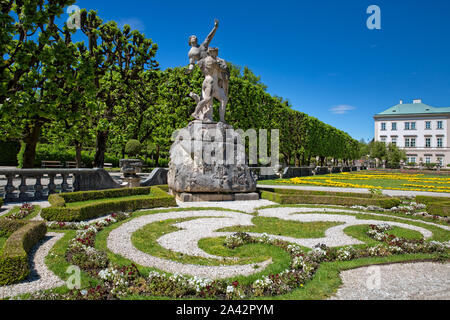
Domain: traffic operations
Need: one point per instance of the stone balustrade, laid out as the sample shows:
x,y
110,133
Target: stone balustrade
x,y
47,181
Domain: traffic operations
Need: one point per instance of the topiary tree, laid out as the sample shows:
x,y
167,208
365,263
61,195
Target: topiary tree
x,y
133,148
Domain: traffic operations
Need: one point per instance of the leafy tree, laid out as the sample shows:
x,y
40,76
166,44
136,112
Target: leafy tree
x,y
133,147
394,155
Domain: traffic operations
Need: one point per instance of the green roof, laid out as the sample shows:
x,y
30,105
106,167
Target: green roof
x,y
413,108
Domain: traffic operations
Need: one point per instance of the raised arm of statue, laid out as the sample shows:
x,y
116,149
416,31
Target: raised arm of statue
x,y
211,34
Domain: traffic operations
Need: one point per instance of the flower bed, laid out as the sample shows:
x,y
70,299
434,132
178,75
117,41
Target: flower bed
x,y
25,211
376,180
60,212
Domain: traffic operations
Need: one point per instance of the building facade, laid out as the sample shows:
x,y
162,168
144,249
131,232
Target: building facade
x,y
421,130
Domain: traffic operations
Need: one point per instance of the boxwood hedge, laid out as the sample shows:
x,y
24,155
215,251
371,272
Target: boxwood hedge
x,y
439,206
14,254
115,200
283,196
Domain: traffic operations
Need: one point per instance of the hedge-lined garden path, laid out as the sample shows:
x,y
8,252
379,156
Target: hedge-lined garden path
x,y
40,277
400,281
394,193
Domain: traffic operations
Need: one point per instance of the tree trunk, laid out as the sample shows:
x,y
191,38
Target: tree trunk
x,y
78,159
31,140
157,156
102,139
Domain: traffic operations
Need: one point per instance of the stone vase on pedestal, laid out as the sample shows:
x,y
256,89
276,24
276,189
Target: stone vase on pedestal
x,y
129,168
207,163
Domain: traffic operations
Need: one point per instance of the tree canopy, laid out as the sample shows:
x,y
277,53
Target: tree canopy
x,y
108,89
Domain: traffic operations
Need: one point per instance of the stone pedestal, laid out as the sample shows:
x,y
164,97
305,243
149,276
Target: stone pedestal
x,y
129,168
207,163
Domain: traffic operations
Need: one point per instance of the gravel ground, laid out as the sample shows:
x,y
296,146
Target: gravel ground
x,y
119,242
245,206
186,240
402,281
334,236
40,278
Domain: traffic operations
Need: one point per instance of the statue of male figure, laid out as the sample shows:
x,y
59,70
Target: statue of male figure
x,y
215,85
197,51
216,75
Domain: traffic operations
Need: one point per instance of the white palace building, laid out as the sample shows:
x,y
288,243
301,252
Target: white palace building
x,y
421,130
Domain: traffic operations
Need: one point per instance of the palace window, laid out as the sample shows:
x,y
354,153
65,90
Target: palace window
x,y
413,142
439,160
383,126
439,142
427,142
439,124
427,124
413,126
427,160
411,159
406,125
407,143
394,126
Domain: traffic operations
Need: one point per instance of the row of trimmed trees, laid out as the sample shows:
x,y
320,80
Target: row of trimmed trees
x,y
108,89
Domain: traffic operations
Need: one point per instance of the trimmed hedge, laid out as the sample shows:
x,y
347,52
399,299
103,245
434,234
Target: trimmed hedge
x,y
321,193
439,206
294,198
60,199
14,254
156,198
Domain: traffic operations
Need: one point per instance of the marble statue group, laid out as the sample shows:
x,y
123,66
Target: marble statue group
x,y
216,75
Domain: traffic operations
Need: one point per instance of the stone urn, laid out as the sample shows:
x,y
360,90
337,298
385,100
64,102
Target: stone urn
x,y
129,168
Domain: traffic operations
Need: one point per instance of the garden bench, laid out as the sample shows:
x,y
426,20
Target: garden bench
x,y
51,164
71,164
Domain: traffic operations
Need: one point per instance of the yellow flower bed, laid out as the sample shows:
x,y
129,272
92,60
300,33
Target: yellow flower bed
x,y
426,183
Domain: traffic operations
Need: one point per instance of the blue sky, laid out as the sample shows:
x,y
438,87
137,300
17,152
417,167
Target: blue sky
x,y
318,54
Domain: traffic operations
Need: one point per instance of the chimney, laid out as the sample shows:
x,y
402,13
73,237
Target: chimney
x,y
417,101
401,102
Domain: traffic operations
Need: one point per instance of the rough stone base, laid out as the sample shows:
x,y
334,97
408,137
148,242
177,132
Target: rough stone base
x,y
197,197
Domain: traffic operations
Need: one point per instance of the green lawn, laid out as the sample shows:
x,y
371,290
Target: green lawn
x,y
2,242
280,227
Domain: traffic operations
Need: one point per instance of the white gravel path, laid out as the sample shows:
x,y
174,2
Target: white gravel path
x,y
402,281
40,278
334,236
186,240
327,210
119,242
245,206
